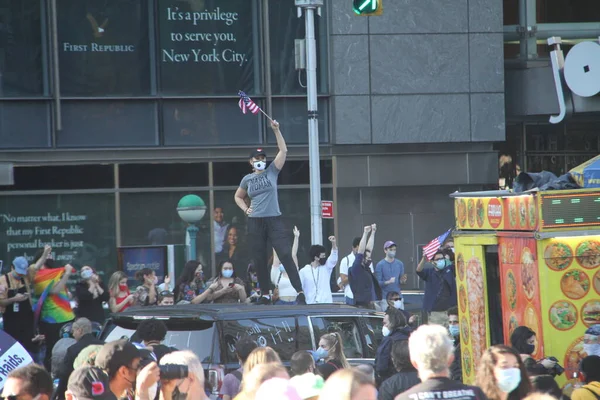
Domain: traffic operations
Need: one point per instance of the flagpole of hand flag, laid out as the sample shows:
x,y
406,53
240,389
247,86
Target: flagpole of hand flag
x,y
246,104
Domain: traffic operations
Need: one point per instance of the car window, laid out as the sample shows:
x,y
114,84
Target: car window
x,y
347,327
198,341
372,334
278,333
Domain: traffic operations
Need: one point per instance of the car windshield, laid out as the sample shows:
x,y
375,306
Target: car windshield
x,y
198,341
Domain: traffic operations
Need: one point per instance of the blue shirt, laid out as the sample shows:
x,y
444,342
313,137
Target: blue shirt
x,y
384,271
433,286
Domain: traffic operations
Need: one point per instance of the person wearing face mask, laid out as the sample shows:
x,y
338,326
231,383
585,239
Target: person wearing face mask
x,y
394,329
15,301
264,217
191,286
251,285
146,294
90,294
502,374
591,341
454,330
363,282
284,293
440,287
227,287
188,388
315,276
390,271
331,351
120,298
523,340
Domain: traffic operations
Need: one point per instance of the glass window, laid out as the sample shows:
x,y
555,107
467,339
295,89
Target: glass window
x,y
278,333
63,177
293,173
17,127
511,12
291,113
220,122
285,26
347,327
373,335
103,47
20,48
79,227
149,218
163,175
556,11
108,124
208,47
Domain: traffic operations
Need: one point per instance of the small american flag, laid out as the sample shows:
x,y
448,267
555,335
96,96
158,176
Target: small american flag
x,y
246,104
432,247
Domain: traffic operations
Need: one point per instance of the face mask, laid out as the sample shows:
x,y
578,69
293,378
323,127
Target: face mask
x,y
259,165
529,348
452,248
592,349
200,275
440,264
177,395
391,253
87,274
454,330
227,273
508,379
322,260
399,305
155,280
385,331
281,268
321,353
123,287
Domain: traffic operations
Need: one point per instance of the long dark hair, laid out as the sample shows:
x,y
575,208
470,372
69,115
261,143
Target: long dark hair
x,y
519,338
187,275
486,379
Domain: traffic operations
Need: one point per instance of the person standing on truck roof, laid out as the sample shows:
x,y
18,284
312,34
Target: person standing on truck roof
x,y
264,217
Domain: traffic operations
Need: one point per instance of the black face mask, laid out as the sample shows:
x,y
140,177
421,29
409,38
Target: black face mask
x,y
529,349
177,395
322,260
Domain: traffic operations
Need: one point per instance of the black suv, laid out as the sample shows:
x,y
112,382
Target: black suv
x,y
212,330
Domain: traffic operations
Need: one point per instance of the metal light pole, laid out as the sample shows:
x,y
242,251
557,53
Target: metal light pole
x,y
309,7
191,209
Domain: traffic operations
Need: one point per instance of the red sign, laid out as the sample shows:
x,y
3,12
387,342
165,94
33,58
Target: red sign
x,y
327,209
494,213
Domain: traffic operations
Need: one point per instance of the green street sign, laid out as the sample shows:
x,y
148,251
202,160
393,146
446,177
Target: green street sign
x,y
367,7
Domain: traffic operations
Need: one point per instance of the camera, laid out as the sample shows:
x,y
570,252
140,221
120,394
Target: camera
x,y
557,370
173,371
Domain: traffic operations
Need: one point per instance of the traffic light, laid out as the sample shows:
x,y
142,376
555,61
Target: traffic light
x,y
367,7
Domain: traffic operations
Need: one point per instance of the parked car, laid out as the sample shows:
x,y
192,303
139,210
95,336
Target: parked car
x,y
211,331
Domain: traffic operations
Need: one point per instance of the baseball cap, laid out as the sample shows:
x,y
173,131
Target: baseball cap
x,y
20,264
257,152
308,385
90,383
277,388
117,354
388,244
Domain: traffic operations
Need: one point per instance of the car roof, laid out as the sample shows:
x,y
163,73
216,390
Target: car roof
x,y
215,312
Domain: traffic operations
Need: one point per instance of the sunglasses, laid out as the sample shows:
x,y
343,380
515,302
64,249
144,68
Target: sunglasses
x,y
165,293
395,299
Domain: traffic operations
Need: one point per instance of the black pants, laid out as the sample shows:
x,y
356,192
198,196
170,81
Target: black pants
x,y
52,333
260,232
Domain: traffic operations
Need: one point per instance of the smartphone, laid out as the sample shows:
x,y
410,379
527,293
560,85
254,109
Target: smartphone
x,y
232,284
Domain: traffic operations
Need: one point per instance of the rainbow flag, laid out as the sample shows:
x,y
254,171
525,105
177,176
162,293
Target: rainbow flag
x,y
51,308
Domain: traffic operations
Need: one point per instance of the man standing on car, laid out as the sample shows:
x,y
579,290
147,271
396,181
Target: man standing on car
x,y
390,271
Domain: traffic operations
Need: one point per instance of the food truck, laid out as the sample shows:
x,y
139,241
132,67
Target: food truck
x,y
528,259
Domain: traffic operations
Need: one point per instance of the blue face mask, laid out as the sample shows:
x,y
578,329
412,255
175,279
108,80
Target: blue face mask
x,y
440,264
281,268
321,353
227,273
454,330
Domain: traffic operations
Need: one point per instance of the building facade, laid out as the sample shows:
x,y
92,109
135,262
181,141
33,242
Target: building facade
x,y
112,110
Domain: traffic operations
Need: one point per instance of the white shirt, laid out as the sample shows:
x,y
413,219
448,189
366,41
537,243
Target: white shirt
x,y
220,231
285,286
315,280
344,266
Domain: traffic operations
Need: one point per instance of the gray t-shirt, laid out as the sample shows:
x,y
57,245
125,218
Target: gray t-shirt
x,y
262,190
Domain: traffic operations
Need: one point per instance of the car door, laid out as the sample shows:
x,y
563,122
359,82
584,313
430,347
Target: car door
x,y
371,333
